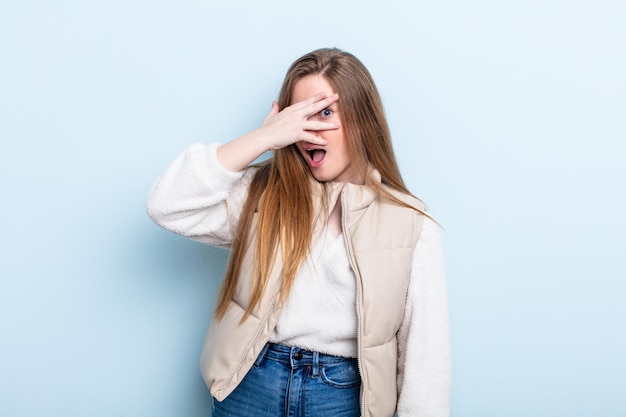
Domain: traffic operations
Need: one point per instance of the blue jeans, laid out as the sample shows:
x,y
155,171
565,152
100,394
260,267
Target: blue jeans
x,y
292,382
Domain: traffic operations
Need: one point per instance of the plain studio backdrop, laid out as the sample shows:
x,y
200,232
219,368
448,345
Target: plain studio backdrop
x,y
508,119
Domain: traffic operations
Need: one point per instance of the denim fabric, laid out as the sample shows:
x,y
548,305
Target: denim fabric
x,y
292,382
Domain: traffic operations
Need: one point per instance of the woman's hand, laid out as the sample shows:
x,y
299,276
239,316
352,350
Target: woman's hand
x,y
280,128
294,123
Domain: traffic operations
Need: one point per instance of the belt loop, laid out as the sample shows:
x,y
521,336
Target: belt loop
x,y
316,364
259,358
293,356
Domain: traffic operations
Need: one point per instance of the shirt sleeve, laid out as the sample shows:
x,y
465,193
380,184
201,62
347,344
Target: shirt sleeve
x,y
197,197
423,339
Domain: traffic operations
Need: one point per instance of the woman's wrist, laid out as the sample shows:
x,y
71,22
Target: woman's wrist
x,y
241,152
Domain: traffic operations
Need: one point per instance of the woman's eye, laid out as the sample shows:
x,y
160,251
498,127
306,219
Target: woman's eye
x,y
326,112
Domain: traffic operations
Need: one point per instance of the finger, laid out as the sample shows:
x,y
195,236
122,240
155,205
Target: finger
x,y
311,138
306,102
317,126
320,105
273,112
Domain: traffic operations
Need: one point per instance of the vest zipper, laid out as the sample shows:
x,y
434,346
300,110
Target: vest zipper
x,y
358,299
254,341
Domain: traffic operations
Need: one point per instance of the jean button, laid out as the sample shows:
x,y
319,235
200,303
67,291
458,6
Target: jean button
x,y
297,356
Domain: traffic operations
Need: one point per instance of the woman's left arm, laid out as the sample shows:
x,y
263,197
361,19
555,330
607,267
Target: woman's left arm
x,y
423,338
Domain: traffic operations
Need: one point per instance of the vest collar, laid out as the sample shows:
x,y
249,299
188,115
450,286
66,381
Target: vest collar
x,y
358,196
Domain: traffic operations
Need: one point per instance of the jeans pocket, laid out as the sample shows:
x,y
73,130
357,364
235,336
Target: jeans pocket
x,y
341,375
259,360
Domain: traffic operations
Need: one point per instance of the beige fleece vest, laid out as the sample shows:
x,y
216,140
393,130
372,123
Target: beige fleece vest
x,y
380,236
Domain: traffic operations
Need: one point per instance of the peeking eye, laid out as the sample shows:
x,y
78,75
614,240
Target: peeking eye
x,y
325,113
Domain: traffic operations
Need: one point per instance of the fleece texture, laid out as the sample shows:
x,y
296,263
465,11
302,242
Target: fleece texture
x,y
320,313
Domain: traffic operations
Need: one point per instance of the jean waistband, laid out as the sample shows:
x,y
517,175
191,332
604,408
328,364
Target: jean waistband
x,y
298,356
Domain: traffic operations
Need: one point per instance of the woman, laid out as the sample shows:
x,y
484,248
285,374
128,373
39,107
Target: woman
x,y
334,299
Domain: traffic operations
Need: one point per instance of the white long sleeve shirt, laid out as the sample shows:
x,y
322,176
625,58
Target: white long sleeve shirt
x,y
320,312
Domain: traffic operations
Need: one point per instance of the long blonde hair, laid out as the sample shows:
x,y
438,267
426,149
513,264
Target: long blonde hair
x,y
280,190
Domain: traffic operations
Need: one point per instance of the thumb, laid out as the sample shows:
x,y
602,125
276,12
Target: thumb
x,y
273,112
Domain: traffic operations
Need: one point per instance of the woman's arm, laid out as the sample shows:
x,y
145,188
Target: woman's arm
x,y
198,197
201,194
423,338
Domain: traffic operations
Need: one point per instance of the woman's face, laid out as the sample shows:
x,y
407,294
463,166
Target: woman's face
x,y
330,162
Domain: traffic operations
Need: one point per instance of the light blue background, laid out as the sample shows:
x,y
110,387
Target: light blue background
x,y
508,120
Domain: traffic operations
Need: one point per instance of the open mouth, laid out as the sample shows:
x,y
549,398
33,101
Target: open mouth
x,y
316,155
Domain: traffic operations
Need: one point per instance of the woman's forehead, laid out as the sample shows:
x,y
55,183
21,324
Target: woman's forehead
x,y
309,86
